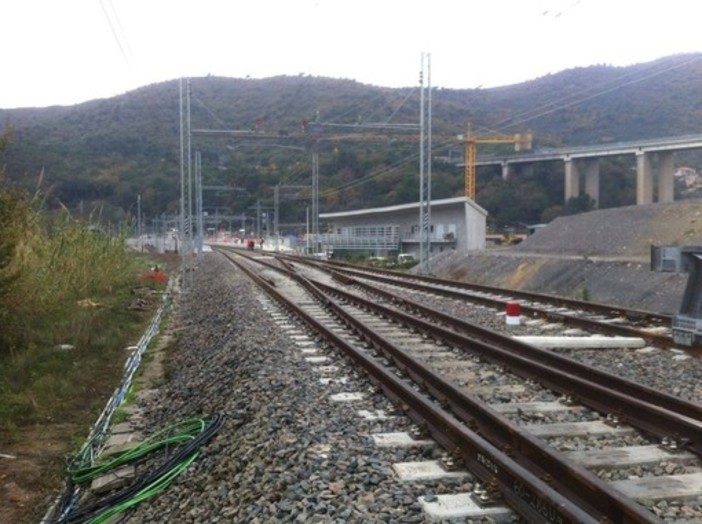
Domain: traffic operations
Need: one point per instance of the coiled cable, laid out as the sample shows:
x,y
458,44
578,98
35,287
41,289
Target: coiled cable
x,y
188,436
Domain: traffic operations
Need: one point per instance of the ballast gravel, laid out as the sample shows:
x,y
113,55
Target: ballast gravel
x,y
286,452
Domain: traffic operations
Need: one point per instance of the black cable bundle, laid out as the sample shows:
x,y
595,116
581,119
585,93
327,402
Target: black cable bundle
x,y
145,486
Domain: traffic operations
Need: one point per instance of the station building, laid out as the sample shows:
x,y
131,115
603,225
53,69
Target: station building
x,y
456,224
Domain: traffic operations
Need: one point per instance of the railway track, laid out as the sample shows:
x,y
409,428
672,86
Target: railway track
x,y
592,317
503,408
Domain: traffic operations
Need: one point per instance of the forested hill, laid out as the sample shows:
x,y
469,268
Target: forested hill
x,y
106,152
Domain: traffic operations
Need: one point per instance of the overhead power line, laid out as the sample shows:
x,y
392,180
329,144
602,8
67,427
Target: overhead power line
x,y
117,30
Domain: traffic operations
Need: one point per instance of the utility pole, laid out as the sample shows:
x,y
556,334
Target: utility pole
x,y
139,232
425,167
307,236
189,221
182,183
198,203
276,228
315,200
258,218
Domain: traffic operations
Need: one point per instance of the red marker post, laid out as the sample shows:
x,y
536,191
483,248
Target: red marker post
x,y
513,314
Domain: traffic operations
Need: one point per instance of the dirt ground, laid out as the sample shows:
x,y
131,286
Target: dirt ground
x,y
27,486
32,466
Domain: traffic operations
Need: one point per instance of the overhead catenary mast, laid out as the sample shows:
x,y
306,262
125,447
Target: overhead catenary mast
x,y
425,166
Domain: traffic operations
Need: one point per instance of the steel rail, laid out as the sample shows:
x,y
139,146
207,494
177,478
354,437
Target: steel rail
x,y
478,334
572,480
534,311
528,495
593,307
598,396
567,477
548,358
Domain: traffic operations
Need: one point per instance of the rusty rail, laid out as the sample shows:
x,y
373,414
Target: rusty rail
x,y
592,495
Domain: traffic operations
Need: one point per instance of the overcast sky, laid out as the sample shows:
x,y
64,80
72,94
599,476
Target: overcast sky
x,y
69,51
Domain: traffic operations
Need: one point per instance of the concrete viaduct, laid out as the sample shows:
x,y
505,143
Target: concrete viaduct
x,y
654,164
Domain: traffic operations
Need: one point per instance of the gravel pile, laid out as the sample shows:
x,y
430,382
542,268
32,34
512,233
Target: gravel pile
x,y
601,256
626,232
286,452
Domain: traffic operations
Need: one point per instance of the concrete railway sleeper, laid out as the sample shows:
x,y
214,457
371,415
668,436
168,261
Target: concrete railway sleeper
x,y
599,318
553,360
633,315
594,496
472,336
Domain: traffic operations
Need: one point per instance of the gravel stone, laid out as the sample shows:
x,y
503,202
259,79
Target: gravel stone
x,y
287,453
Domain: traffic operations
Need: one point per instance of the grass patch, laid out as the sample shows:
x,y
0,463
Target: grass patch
x,y
67,296
76,355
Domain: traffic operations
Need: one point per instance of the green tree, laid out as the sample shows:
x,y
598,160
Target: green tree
x,y
579,204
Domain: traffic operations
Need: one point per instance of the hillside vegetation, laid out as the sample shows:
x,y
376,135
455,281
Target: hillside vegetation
x,y
103,153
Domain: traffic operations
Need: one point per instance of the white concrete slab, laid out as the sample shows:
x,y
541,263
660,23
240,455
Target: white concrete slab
x,y
593,342
629,456
551,327
682,357
534,407
122,427
347,397
462,506
575,332
121,439
661,330
658,488
326,369
464,377
426,470
509,389
308,351
317,360
399,439
576,429
378,414
115,479
534,322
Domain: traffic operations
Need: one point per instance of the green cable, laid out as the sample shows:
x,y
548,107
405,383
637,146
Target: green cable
x,y
193,427
192,435
149,491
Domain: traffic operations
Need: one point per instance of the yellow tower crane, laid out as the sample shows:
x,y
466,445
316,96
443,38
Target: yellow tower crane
x,y
520,142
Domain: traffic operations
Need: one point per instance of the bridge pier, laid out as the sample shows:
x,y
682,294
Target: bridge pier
x,y
506,170
509,170
644,179
654,166
591,169
645,172
666,177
